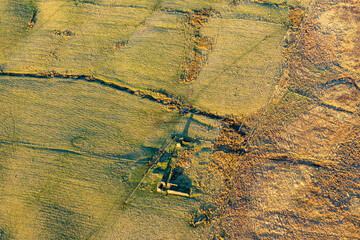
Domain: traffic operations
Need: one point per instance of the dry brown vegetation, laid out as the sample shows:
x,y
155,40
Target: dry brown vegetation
x,y
265,2
300,179
32,20
65,33
201,46
120,45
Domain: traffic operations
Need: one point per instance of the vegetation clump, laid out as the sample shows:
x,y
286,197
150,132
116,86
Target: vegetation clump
x,y
65,33
201,46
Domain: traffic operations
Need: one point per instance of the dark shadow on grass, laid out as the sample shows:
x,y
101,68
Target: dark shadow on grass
x,y
63,223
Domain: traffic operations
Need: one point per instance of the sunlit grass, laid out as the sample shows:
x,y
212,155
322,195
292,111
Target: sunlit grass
x,y
72,151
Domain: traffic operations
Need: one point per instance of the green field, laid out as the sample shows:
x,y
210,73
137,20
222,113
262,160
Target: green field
x,y
72,152
143,45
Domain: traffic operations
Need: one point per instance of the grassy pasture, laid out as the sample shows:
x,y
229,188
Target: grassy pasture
x,y
69,37
247,40
79,116
160,216
153,56
71,152
243,66
143,46
15,16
